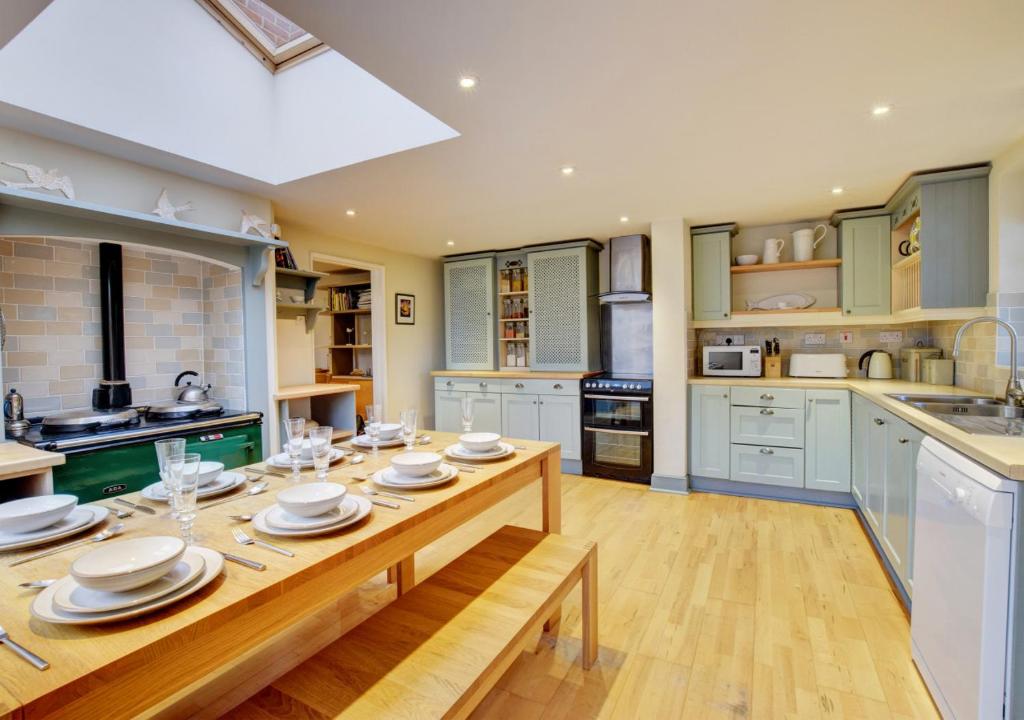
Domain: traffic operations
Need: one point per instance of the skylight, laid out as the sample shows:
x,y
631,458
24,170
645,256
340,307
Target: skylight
x,y
275,40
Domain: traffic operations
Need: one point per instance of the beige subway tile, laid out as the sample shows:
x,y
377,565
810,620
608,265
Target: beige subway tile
x,y
6,247
158,303
134,262
24,359
185,281
74,313
63,328
26,327
32,250
24,297
165,291
24,266
40,372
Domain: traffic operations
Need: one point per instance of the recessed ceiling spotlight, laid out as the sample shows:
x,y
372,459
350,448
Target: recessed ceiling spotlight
x,y
467,82
350,212
451,243
880,110
837,190
568,170
624,219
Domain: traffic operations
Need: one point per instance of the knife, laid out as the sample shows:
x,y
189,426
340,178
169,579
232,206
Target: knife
x,y
134,506
768,348
775,346
244,561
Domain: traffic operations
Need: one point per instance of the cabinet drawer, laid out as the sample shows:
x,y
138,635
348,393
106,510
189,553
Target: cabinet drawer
x,y
467,384
768,426
767,465
524,386
767,397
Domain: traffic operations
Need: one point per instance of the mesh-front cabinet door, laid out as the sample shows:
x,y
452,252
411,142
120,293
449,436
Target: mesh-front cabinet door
x,y
563,309
469,314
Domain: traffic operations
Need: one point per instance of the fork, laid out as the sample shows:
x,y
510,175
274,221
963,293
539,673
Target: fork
x,y
369,490
27,654
244,539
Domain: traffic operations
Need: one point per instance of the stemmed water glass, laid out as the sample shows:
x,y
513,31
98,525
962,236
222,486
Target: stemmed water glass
x,y
165,450
373,421
183,470
408,419
320,440
467,414
296,429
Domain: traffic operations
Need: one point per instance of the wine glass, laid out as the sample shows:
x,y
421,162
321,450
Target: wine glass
x,y
184,473
408,419
296,429
467,414
320,440
373,421
165,450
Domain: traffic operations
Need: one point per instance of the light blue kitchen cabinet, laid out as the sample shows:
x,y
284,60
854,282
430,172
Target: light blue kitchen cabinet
x,y
559,421
711,256
565,331
520,417
469,303
877,469
486,412
448,410
775,427
709,431
904,441
861,431
827,440
865,248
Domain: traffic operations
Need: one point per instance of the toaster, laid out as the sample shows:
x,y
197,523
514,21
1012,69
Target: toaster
x,y
823,365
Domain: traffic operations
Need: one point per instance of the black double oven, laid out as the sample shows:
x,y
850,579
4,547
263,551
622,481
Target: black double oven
x,y
618,437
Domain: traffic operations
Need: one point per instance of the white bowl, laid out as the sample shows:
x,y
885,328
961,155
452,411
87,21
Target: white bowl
x,y
35,513
209,471
389,431
127,564
479,441
311,499
747,259
416,464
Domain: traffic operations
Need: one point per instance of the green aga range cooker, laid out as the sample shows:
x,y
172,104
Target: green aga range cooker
x,y
112,460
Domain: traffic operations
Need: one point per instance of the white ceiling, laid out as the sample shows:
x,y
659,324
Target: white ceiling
x,y
745,110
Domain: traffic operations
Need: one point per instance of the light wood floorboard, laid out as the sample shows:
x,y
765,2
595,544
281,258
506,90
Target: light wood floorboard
x,y
710,607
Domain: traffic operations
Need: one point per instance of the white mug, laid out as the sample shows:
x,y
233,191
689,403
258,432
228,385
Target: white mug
x,y
772,250
806,241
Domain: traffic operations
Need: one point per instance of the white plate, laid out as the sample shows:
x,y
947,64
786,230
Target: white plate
x,y
225,483
81,519
72,597
279,518
44,609
363,441
388,477
260,521
283,462
460,453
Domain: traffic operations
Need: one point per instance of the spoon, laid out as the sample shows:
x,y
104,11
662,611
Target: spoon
x,y
241,518
425,440
121,512
98,537
254,490
37,584
356,459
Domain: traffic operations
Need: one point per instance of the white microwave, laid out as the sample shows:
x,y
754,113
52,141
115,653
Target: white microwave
x,y
732,360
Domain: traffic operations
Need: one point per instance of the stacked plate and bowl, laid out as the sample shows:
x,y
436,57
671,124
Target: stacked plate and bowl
x,y
314,508
283,461
479,446
37,520
414,471
127,578
213,480
389,436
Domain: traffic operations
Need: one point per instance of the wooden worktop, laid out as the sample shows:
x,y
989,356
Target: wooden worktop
x,y
1004,455
294,392
17,460
517,374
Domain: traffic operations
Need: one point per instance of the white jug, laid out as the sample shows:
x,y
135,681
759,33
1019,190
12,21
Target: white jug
x,y
806,241
772,250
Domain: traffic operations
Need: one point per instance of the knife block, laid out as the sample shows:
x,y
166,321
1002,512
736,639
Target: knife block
x,y
773,366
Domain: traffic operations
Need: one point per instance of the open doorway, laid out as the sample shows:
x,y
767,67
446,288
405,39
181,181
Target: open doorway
x,y
350,335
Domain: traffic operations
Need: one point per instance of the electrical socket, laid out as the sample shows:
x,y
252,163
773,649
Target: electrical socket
x,y
846,337
814,338
722,339
891,336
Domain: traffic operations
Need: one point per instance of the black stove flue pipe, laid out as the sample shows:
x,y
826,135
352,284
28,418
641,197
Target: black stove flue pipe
x,y
114,391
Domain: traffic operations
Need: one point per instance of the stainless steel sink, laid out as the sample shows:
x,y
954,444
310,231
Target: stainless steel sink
x,y
979,415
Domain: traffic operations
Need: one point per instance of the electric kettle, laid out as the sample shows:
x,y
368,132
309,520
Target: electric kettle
x,y
879,364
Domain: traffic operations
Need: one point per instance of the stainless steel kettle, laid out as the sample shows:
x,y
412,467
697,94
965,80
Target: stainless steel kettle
x,y
189,392
14,411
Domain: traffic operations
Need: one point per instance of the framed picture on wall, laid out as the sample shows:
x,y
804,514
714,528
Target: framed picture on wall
x,y
405,309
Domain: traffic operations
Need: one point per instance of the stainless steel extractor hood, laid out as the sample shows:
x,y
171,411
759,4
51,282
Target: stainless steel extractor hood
x,y
629,270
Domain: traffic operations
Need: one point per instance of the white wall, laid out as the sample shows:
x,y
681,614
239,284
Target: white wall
x,y
670,290
1006,220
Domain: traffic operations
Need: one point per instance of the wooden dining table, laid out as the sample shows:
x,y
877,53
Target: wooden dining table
x,y
181,660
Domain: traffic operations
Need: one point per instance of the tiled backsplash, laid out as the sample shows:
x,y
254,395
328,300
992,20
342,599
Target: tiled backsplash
x,y
181,313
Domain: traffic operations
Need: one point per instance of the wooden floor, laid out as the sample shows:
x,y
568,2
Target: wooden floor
x,y
711,607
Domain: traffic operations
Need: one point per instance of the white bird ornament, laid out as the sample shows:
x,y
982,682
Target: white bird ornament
x,y
254,222
168,210
38,178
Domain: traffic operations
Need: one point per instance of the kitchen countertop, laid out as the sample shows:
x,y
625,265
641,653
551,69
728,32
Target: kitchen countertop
x,y
17,460
294,392
1004,455
517,374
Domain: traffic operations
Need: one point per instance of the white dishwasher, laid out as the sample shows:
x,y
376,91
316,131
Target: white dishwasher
x,y
960,625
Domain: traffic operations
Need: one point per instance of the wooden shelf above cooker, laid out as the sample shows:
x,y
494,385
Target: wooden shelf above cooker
x,y
779,267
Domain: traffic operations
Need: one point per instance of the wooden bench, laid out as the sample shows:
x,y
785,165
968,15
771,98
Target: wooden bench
x,y
436,651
